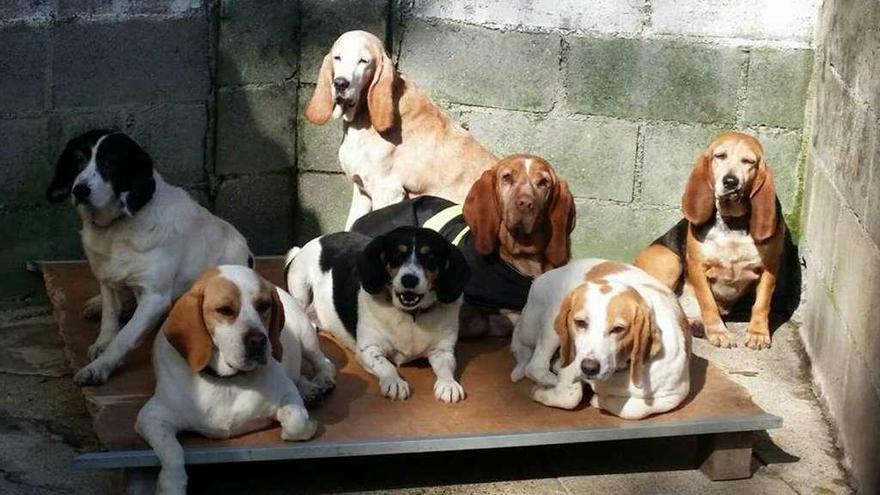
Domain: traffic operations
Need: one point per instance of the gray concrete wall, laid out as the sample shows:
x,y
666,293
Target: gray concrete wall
x,y
620,95
841,218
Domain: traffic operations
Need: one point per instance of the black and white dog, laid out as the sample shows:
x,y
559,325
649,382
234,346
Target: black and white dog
x,y
145,240
390,299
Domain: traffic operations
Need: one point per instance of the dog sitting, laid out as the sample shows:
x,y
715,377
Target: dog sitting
x,y
514,225
144,239
730,242
390,300
228,361
615,327
396,142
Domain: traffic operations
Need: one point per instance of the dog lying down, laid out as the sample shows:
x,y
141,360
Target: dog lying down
x,y
227,362
616,328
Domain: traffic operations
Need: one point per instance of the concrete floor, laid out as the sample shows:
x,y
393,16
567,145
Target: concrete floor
x,y
44,424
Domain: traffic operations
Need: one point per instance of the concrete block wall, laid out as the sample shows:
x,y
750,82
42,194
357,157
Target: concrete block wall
x,y
842,230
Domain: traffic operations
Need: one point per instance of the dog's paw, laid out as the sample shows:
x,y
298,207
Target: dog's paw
x,y
542,377
518,373
308,391
757,341
542,394
92,374
98,348
720,337
448,391
303,431
594,401
92,308
394,388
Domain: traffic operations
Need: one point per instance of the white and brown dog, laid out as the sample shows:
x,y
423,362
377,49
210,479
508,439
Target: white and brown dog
x,y
145,240
615,327
396,142
228,361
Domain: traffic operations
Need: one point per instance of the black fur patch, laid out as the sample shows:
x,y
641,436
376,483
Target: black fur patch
x,y
128,168
339,253
77,153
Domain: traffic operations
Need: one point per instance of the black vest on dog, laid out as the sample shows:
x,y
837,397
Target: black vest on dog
x,y
493,284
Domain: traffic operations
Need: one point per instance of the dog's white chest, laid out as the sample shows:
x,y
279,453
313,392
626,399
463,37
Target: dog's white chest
x,y
363,153
732,263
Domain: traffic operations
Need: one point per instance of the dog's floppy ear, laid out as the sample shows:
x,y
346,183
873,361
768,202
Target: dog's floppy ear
x,y
646,342
143,185
380,97
560,325
320,107
482,213
276,322
371,266
186,331
698,201
562,221
453,277
763,217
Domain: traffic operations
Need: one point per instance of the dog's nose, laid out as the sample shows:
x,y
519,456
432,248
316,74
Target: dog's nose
x,y
255,343
590,367
81,192
730,181
340,83
409,281
525,203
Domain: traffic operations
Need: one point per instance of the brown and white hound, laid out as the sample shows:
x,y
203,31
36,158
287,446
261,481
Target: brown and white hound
x,y
730,242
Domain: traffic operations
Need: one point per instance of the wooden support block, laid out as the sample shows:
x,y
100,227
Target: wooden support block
x,y
725,456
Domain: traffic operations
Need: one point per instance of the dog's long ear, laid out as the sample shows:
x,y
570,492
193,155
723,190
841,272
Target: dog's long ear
x,y
371,266
276,323
186,331
562,221
646,342
320,107
560,325
482,213
763,217
142,185
453,277
380,97
698,201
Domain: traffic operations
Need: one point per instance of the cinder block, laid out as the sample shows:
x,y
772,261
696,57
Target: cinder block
x,y
131,61
261,208
67,124
255,129
617,232
851,44
783,20
26,10
782,151
22,68
859,411
664,80
324,20
258,41
671,150
27,168
323,202
604,16
777,87
79,8
821,216
596,157
175,136
485,67
317,145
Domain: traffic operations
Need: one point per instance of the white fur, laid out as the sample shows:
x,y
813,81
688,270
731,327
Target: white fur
x,y
241,402
666,380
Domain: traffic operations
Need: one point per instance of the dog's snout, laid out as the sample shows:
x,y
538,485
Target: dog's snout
x,y
409,281
255,344
730,181
525,203
81,192
590,367
340,83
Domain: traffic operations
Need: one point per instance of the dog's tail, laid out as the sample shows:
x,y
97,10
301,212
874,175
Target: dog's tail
x,y
288,258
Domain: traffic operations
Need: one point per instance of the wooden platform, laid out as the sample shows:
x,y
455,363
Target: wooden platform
x,y
356,420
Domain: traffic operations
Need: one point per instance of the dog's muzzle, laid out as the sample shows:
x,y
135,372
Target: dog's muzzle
x,y
409,299
81,193
255,346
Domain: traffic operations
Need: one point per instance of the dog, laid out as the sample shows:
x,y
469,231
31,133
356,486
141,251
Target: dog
x,y
514,225
730,242
615,327
389,299
144,239
396,142
228,361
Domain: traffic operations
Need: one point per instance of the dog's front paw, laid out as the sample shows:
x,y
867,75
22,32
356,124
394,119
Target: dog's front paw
x,y
594,400
542,377
304,430
542,394
719,336
757,340
518,373
98,348
394,388
92,374
448,391
171,482
308,391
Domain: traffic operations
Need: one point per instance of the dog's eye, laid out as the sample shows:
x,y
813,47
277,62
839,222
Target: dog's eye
x,y
507,177
337,58
618,329
542,182
226,310
362,61
721,156
581,323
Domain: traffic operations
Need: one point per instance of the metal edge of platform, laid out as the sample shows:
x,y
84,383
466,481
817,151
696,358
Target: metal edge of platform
x,y
32,265
306,450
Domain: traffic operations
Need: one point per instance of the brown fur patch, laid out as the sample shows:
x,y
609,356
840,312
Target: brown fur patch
x,y
640,339
222,301
597,273
564,322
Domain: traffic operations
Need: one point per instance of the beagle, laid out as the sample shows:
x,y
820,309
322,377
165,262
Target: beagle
x,y
514,225
396,142
391,299
730,242
616,328
228,361
145,240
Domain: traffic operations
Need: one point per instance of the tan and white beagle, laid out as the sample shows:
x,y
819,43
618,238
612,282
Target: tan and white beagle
x,y
614,327
730,242
228,361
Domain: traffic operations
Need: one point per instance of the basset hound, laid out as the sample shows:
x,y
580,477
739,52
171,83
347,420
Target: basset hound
x,y
614,327
514,225
730,242
396,142
228,361
389,299
146,240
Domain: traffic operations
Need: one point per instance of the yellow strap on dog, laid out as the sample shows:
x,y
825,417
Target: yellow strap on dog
x,y
439,220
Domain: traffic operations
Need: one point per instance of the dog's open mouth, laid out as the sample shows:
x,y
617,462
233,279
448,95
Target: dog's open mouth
x,y
409,299
343,102
732,196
